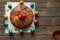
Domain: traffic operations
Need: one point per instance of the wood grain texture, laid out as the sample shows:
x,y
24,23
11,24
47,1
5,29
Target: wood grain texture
x,y
54,0
28,37
49,20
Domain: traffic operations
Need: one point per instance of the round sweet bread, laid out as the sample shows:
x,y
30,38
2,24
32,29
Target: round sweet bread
x,y
21,23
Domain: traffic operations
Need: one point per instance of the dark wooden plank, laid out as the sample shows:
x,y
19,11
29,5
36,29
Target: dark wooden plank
x,y
49,12
2,5
4,0
49,20
53,5
28,37
54,0
2,13
48,5
2,9
46,29
41,1
2,20
41,5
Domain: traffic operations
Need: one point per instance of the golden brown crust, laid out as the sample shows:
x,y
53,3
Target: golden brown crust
x,y
21,23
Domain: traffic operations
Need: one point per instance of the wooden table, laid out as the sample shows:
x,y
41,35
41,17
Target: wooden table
x,y
49,20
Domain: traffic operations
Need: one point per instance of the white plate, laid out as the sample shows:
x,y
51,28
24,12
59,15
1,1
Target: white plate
x,y
10,25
